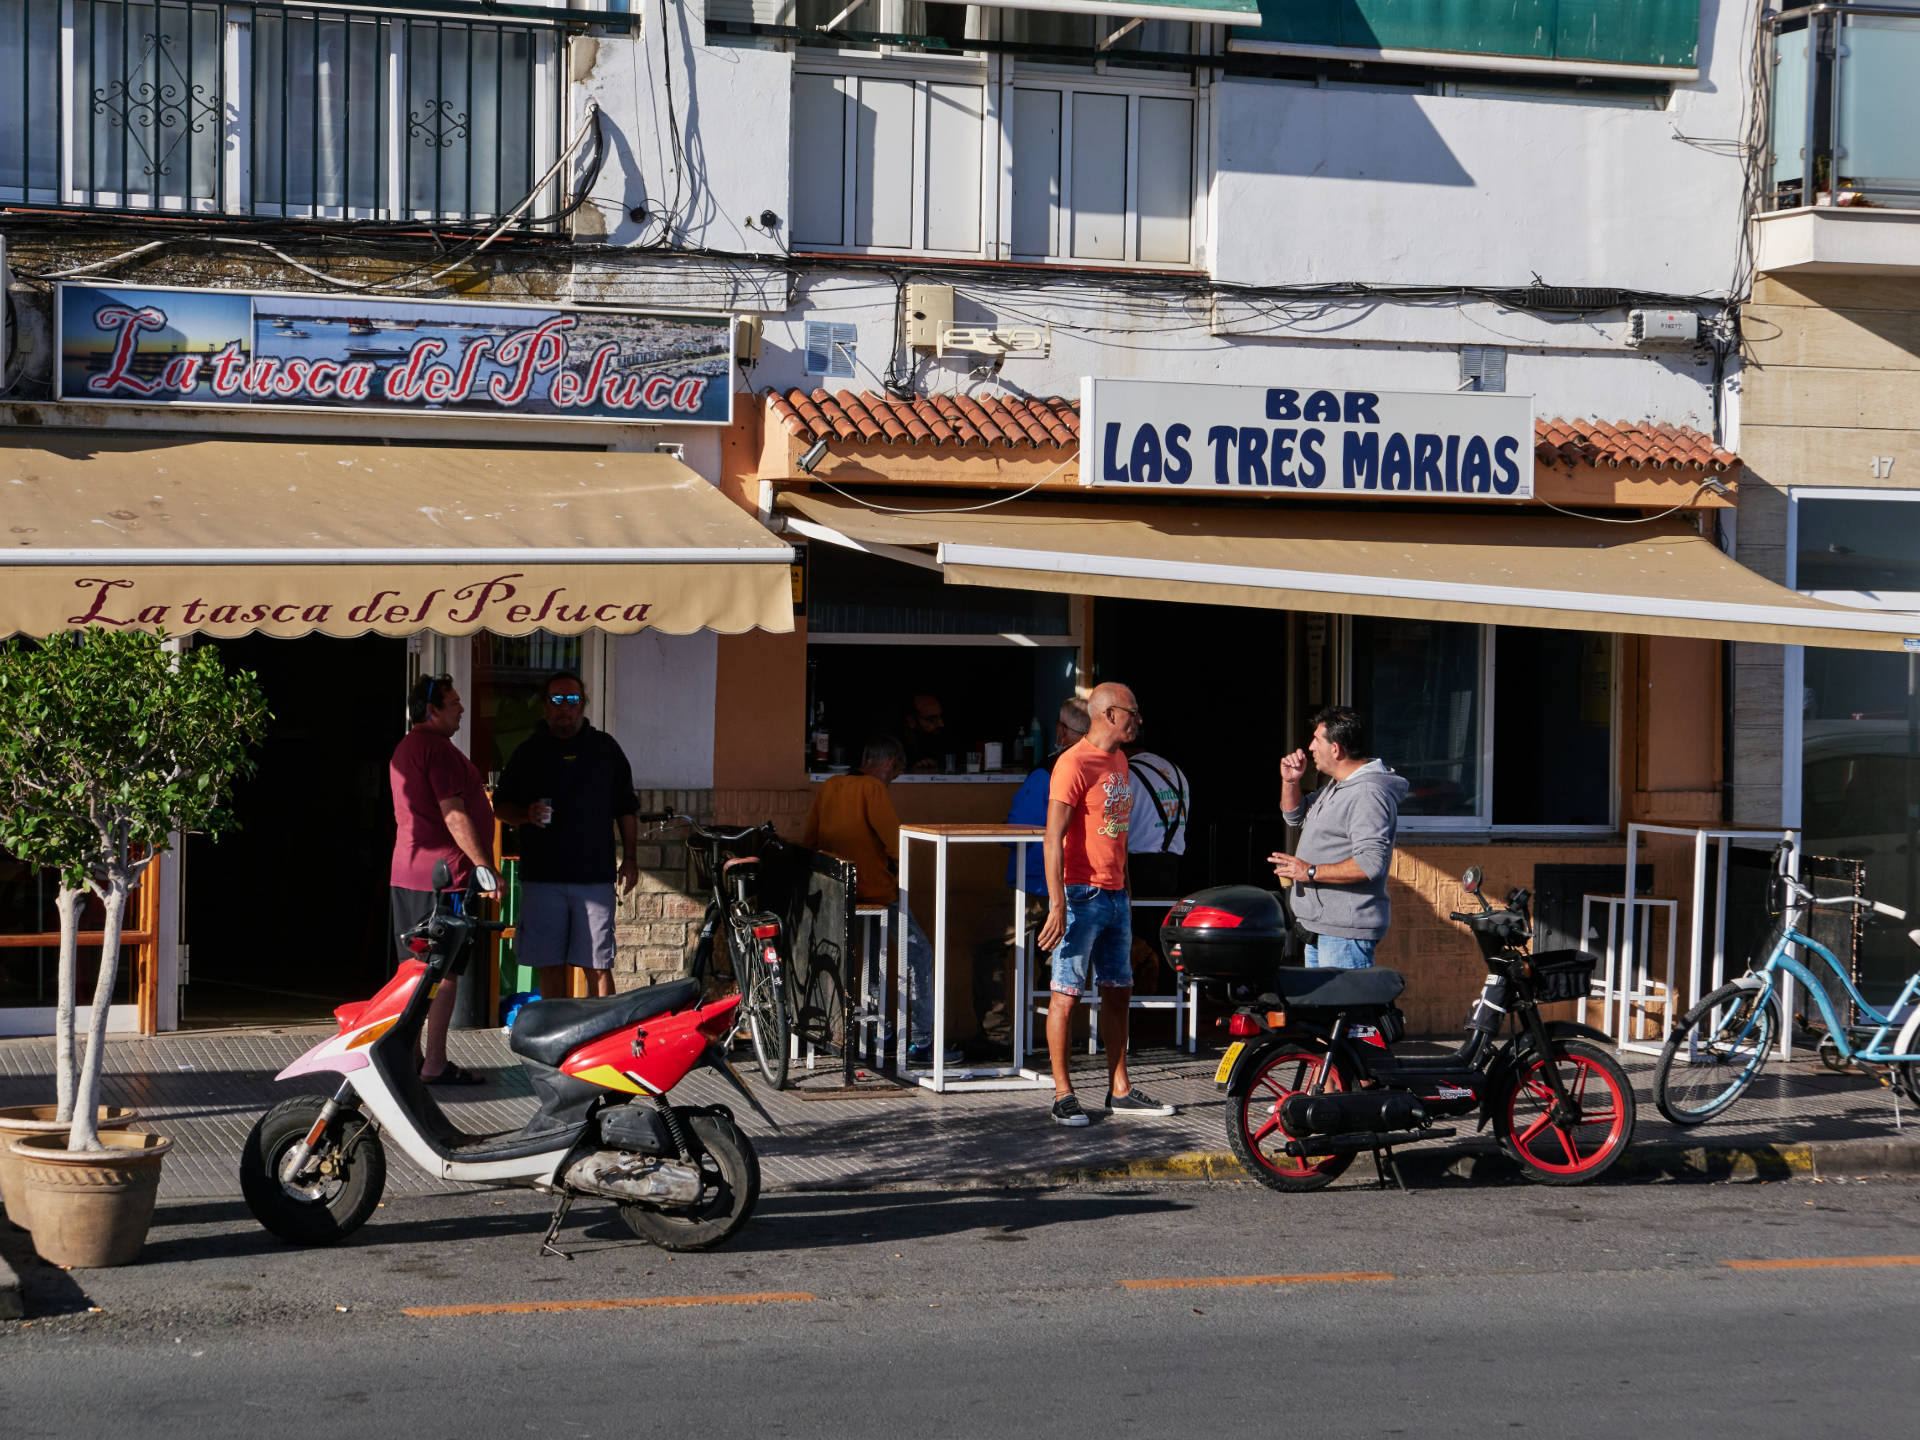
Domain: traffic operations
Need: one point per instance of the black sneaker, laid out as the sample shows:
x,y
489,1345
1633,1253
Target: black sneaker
x,y
1067,1111
1136,1102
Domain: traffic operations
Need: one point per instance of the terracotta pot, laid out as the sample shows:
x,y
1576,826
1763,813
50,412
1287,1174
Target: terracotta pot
x,y
17,1122
91,1208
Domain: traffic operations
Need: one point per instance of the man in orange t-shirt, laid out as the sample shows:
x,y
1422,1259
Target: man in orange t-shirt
x,y
1089,925
853,817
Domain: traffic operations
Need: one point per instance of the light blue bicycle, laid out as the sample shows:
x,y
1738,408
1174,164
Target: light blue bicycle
x,y
1720,1045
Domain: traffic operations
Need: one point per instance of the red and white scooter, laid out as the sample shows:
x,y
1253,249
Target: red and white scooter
x,y
683,1177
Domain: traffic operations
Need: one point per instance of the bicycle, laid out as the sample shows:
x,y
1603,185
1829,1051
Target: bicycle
x,y
1725,1038
756,938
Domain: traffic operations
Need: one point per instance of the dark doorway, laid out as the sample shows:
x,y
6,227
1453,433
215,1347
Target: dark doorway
x,y
286,915
1212,682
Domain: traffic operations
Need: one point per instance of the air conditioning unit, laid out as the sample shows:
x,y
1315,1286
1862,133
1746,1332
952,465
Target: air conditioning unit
x,y
1662,327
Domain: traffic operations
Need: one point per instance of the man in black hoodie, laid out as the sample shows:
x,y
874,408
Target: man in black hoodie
x,y
1339,872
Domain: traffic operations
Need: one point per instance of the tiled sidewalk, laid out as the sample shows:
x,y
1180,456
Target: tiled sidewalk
x,y
206,1088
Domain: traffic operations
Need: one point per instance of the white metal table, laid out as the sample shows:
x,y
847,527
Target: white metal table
x,y
940,1076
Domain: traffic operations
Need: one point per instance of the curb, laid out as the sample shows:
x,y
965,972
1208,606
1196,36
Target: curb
x,y
1482,1162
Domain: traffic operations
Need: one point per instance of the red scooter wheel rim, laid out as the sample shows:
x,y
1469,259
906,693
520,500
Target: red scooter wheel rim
x,y
1567,1149
1286,1073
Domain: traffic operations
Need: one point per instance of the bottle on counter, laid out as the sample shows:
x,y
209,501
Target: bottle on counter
x,y
819,747
1036,744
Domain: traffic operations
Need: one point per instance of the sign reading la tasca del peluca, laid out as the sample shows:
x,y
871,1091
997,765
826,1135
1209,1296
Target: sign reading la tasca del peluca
x,y
331,352
1304,439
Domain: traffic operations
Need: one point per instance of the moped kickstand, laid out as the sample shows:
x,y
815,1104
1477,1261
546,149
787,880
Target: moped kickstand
x,y
1384,1165
564,1204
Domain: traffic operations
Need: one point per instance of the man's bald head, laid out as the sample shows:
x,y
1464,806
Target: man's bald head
x,y
1115,716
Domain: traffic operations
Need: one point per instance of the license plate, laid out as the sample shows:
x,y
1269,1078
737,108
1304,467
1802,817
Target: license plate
x,y
1226,1062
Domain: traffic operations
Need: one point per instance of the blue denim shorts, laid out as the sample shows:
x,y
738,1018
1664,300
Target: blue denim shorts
x,y
1099,937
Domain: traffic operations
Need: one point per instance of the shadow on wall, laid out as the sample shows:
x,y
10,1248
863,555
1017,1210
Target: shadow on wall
x,y
1367,135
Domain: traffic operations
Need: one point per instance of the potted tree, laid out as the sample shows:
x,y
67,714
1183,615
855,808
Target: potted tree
x,y
110,741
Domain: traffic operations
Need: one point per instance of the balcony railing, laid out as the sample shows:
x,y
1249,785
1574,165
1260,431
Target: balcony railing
x,y
1845,126
300,112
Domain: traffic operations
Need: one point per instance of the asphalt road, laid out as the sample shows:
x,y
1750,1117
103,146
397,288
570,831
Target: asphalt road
x,y
1173,1310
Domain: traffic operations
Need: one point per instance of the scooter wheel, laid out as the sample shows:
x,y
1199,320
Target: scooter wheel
x,y
732,1174
1552,1153
329,1205
1253,1120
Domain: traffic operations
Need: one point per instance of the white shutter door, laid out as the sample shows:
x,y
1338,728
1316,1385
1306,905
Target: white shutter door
x,y
883,167
954,117
819,160
1036,170
1099,177
1166,180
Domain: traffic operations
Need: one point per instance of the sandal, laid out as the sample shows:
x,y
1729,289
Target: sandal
x,y
454,1075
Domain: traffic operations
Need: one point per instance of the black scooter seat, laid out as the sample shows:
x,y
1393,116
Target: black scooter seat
x,y
1303,987
548,1030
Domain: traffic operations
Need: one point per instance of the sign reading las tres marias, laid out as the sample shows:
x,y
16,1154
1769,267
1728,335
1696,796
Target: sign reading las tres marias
x,y
1304,440
332,352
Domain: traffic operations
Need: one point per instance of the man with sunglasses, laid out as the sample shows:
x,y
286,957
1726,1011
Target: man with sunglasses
x,y
565,790
440,812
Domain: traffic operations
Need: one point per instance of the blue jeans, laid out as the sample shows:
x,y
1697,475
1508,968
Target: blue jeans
x,y
919,983
1098,938
1331,952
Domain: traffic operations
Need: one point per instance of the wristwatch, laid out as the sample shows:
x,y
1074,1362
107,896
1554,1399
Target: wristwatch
x,y
1313,874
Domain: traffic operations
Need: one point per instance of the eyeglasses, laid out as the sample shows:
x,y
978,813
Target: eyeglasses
x,y
435,685
575,698
1130,710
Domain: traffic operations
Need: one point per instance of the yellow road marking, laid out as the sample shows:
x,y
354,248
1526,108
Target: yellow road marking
x,y
634,1302
1216,1282
1837,1262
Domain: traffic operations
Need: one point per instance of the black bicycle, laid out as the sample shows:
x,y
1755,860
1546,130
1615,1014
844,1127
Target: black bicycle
x,y
727,865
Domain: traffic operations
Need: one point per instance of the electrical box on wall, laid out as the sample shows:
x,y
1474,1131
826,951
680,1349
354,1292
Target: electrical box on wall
x,y
929,311
1662,327
746,339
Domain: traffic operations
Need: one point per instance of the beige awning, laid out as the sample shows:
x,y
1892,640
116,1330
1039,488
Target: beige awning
x,y
229,537
1556,572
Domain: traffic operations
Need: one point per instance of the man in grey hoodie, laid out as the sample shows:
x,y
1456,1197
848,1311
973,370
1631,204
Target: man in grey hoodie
x,y
1339,874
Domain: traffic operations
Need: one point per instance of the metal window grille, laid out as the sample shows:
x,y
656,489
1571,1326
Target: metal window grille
x,y
337,114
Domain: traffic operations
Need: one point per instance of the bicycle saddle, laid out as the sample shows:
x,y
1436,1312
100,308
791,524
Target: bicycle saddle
x,y
547,1030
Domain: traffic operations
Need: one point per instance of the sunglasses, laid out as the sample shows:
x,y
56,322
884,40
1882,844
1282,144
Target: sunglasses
x,y
574,698
436,686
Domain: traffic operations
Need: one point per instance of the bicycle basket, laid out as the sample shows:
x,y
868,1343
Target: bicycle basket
x,y
1570,979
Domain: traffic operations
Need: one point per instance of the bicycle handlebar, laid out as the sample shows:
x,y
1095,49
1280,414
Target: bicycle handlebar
x,y
667,817
1814,902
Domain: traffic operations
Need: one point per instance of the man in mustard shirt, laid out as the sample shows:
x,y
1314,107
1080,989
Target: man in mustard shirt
x,y
853,818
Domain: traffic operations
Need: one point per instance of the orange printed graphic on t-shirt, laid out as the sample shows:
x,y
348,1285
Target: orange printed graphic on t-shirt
x,y
1098,785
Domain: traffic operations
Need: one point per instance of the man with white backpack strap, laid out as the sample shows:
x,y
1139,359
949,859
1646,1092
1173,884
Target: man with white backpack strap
x,y
1159,835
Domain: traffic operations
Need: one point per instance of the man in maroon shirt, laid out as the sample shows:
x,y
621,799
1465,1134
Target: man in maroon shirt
x,y
440,812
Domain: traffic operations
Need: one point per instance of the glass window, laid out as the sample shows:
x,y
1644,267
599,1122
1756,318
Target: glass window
x,y
30,975
1866,551
1552,727
1419,683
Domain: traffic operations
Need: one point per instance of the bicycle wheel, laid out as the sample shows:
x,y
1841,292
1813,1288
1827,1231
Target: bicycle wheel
x,y
1253,1120
1556,1149
763,995
1714,1053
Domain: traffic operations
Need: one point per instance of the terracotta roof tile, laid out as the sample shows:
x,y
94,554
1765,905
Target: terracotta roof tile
x,y
961,421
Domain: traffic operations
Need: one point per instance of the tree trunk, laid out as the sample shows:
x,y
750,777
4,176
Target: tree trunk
x,y
67,903
84,1135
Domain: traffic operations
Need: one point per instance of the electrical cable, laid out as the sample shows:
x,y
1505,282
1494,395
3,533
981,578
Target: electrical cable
x,y
1704,485
954,510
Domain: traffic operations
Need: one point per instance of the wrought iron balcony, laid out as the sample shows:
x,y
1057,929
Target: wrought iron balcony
x,y
302,112
1845,126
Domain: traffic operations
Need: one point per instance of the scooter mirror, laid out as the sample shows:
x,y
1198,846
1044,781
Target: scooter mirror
x,y
484,878
442,875
1470,882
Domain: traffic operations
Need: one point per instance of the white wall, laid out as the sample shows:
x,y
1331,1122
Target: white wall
x,y
663,698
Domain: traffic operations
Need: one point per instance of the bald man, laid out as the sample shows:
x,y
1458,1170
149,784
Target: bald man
x,y
1089,924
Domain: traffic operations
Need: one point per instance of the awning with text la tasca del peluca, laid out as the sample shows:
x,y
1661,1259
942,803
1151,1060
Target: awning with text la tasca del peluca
x,y
233,537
